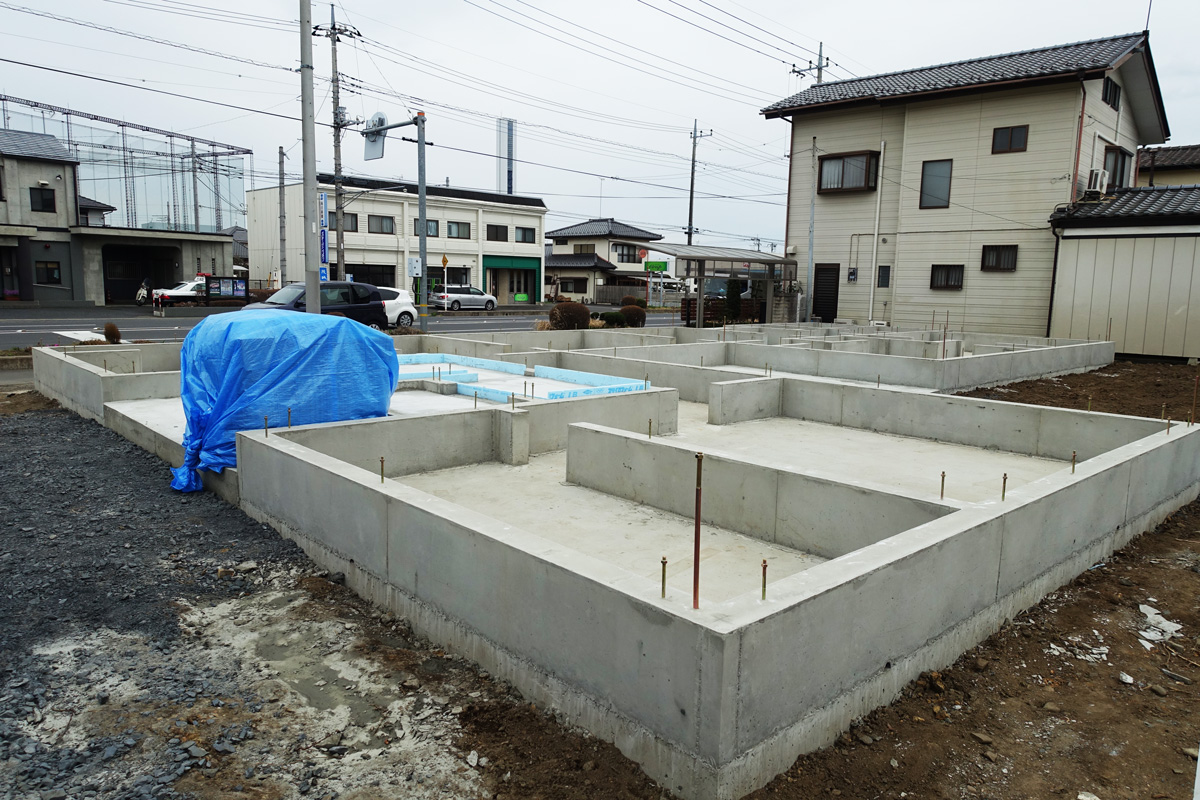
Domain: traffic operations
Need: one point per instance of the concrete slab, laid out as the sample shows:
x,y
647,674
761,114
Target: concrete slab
x,y
628,535
900,464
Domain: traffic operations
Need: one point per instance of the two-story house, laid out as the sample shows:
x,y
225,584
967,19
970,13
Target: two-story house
x,y
598,253
484,239
931,189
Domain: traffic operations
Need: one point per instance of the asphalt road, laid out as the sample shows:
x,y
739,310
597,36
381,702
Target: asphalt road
x,y
26,327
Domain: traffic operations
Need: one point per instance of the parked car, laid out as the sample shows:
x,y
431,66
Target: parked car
x,y
456,297
358,301
185,292
398,305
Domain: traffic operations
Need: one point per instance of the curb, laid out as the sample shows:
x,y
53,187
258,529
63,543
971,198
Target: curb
x,y
16,362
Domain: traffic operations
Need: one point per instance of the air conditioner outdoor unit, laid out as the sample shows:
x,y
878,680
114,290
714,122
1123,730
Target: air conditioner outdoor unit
x,y
1098,181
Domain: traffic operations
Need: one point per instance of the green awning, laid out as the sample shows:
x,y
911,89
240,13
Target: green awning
x,y
511,262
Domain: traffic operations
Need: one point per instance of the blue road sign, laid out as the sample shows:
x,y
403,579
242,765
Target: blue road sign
x,y
324,246
324,273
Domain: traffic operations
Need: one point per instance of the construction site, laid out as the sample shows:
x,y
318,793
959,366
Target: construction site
x,y
716,550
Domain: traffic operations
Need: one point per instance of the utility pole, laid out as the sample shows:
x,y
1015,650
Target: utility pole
x,y
308,128
812,223
339,122
822,62
696,136
421,223
282,222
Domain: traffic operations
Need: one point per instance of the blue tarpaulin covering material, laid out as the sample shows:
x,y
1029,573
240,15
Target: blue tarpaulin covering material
x,y
237,368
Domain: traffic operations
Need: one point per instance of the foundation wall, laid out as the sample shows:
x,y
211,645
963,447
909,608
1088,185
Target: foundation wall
x,y
84,387
1032,430
803,512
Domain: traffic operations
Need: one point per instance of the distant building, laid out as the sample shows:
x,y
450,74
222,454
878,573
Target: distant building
x,y
584,256
488,240
241,249
1169,166
56,247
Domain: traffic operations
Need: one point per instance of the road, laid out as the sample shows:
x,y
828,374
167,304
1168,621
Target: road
x,y
26,327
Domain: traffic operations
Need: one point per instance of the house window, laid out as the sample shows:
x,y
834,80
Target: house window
x,y
946,276
497,233
458,230
884,277
1010,140
48,272
431,227
1111,94
573,285
935,183
560,241
999,258
526,235
1117,163
626,254
848,172
41,200
350,222
376,224
584,248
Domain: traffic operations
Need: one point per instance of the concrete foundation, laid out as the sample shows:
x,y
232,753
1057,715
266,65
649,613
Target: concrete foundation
x,y
528,535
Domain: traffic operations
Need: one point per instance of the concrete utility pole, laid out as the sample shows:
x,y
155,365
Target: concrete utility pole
x,y
339,122
421,224
282,221
195,192
308,128
812,223
696,136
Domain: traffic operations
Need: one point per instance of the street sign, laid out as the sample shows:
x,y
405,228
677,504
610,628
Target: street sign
x,y
374,139
414,268
642,254
349,277
445,261
655,266
324,273
324,246
323,208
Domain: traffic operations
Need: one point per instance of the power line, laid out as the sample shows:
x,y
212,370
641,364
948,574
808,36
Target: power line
x,y
714,33
764,30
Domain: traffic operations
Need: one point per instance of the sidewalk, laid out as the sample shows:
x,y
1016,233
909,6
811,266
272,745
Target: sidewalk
x,y
16,379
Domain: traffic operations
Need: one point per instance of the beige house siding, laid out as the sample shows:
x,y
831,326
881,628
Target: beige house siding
x,y
995,199
1145,289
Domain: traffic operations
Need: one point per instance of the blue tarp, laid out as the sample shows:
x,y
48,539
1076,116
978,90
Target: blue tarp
x,y
237,368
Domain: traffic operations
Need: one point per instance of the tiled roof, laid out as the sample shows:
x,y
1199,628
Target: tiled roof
x,y
1142,204
603,227
34,146
578,261
1060,60
89,203
1185,156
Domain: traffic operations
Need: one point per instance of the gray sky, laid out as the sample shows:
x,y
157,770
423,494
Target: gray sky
x,y
612,93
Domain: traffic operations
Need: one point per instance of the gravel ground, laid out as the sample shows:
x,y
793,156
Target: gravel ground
x,y
159,645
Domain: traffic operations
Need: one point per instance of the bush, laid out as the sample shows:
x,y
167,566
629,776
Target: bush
x,y
569,317
541,325
259,295
628,300
112,334
402,331
595,315
596,323
613,319
635,316
641,302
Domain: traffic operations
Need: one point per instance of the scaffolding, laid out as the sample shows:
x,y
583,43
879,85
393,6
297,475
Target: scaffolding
x,y
155,179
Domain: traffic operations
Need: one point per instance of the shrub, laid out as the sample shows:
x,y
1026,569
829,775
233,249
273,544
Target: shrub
x,y
613,319
259,295
628,300
596,323
112,334
595,315
641,302
635,316
402,331
541,325
569,317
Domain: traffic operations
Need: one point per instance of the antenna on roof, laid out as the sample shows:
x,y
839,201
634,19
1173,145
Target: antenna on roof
x,y
1149,6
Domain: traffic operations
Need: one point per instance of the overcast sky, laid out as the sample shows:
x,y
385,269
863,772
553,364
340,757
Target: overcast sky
x,y
612,92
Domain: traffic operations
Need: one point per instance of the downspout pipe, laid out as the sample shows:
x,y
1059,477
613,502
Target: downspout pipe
x,y
875,235
1053,281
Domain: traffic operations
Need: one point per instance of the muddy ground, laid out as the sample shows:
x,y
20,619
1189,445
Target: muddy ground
x,y
196,628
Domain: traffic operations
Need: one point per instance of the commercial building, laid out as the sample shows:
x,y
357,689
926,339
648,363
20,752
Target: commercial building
x,y
485,239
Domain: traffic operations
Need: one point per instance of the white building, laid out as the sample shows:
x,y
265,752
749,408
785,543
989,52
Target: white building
x,y
489,240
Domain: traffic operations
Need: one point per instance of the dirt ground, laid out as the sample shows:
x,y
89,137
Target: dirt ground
x,y
19,401
1080,694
